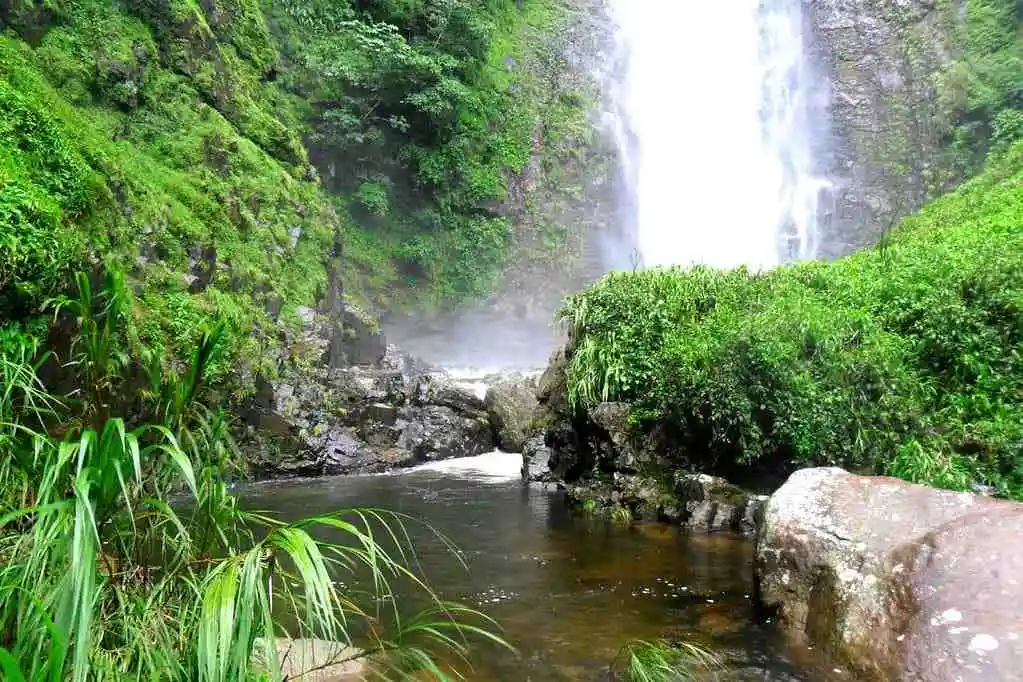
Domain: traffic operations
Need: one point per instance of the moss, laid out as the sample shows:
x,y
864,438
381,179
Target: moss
x,y
165,138
167,189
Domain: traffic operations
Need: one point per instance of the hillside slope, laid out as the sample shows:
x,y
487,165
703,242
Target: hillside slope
x,y
168,139
905,358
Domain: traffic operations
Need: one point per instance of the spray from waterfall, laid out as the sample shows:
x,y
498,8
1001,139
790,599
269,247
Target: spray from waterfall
x,y
712,113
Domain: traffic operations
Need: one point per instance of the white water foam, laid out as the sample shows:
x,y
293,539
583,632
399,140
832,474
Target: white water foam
x,y
712,123
491,467
478,379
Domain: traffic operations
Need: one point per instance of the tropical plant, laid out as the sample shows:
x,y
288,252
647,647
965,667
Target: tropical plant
x,y
123,554
101,320
661,661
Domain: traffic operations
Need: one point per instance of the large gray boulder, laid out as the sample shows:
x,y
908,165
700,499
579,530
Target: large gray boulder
x,y
899,581
511,406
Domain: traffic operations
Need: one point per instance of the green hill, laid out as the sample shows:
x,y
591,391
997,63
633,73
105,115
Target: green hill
x,y
905,358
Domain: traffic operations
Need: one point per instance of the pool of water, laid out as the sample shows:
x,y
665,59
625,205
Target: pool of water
x,y
568,591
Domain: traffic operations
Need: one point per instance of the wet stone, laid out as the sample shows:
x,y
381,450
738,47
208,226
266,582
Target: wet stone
x,y
901,581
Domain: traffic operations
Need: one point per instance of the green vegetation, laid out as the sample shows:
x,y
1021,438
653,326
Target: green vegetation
x,y
662,661
906,358
168,140
206,222
123,555
183,144
981,92
420,112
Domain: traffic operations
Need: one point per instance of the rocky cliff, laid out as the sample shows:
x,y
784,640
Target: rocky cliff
x,y
878,61
919,93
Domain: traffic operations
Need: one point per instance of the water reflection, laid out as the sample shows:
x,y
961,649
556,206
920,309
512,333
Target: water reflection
x,y
568,591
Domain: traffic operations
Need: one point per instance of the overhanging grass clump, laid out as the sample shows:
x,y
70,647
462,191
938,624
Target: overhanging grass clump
x,y
905,358
103,578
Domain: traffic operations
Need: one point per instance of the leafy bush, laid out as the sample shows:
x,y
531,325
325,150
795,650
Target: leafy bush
x,y
981,91
905,358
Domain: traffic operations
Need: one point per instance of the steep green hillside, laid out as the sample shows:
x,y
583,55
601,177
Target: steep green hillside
x,y
981,92
905,358
108,155
169,138
420,112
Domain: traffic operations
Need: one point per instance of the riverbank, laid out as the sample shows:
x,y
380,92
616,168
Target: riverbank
x,y
124,551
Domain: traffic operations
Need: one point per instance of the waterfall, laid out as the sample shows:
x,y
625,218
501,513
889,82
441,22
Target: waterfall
x,y
713,107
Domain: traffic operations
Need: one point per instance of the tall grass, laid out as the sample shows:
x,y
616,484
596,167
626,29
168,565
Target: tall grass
x,y
102,578
661,661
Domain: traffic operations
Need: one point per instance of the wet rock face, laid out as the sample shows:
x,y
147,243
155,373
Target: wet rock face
x,y
708,503
365,419
536,457
511,405
387,411
902,582
877,61
362,342
600,457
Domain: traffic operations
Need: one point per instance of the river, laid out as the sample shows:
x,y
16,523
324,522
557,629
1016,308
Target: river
x,y
569,591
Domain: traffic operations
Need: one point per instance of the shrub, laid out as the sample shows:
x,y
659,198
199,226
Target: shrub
x,y
898,353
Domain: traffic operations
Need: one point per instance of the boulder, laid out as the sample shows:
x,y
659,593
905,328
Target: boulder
x,y
312,660
710,503
604,459
436,389
511,406
899,581
536,458
354,404
552,387
435,432
364,420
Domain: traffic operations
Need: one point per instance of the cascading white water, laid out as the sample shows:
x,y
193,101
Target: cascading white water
x,y
713,129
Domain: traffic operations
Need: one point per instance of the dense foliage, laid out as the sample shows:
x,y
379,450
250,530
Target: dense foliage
x,y
124,556
168,140
906,358
420,112
981,91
